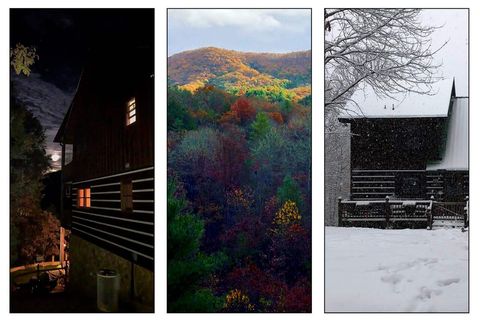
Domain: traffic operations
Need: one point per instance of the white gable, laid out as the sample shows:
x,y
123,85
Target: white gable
x,y
456,150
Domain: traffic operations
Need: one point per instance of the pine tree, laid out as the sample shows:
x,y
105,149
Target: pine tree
x,y
261,126
188,268
289,190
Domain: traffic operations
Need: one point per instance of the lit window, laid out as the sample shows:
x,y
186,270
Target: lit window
x,y
131,111
83,198
126,191
87,197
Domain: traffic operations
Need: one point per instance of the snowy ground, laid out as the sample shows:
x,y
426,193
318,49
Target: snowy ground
x,y
375,270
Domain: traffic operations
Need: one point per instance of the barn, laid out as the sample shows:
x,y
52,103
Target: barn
x,y
409,168
107,140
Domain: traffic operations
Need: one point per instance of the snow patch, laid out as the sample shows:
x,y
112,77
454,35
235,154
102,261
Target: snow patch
x,y
374,270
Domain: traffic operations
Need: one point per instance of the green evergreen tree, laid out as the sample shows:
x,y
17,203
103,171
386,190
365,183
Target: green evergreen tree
x,y
261,126
188,267
289,190
178,117
28,163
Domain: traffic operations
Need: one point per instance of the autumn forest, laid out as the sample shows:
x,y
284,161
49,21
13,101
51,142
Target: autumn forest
x,y
239,181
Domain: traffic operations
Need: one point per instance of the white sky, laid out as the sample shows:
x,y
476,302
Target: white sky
x,y
455,54
454,59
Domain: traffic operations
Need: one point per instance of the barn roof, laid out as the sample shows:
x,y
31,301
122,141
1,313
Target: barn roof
x,y
410,105
455,155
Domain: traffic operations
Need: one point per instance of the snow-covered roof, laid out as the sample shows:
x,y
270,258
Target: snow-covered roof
x,y
410,105
456,150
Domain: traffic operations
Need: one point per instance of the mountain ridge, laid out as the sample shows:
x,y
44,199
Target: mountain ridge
x,y
237,71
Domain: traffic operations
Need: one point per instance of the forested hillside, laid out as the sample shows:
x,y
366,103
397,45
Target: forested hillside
x,y
283,75
239,176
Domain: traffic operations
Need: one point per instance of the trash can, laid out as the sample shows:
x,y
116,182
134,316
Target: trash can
x,y
108,286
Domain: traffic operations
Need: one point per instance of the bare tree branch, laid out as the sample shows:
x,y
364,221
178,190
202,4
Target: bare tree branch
x,y
388,50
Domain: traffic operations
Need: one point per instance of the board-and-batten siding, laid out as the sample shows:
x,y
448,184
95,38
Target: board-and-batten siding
x,y
103,143
130,235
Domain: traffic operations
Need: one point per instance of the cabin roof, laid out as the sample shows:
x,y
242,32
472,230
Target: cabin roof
x,y
107,73
411,105
455,155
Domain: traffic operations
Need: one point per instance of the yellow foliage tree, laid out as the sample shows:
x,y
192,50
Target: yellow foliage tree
x,y
288,214
237,301
22,58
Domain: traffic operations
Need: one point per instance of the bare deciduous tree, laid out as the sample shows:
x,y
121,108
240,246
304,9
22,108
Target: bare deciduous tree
x,y
389,50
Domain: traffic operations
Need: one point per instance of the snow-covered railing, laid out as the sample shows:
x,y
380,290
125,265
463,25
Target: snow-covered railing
x,y
387,212
384,212
450,211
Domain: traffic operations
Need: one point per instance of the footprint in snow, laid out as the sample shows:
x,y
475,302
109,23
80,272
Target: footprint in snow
x,y
393,278
426,293
447,282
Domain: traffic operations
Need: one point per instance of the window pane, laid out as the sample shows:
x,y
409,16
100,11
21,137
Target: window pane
x,y
80,195
87,192
131,120
87,202
131,113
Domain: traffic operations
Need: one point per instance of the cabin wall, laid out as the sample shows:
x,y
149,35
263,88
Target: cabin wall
x,y
409,184
115,162
396,144
129,234
389,157
103,143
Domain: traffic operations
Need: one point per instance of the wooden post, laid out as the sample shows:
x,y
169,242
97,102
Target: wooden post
x,y
430,213
132,277
62,245
339,211
387,211
62,185
465,213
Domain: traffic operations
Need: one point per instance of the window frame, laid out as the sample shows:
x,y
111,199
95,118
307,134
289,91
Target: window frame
x,y
126,196
84,199
131,111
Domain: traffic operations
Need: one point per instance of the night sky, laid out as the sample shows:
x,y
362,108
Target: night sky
x,y
63,39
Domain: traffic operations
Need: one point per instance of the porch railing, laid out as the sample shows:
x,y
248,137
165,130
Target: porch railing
x,y
390,211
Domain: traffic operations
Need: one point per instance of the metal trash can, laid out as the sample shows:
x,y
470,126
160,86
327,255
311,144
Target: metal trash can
x,y
108,287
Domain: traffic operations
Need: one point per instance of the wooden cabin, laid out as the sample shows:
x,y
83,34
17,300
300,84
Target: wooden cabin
x,y
107,139
406,165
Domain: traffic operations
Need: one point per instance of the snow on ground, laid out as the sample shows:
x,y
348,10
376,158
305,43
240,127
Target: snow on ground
x,y
376,270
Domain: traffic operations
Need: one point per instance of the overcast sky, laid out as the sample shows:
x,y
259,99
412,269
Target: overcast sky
x,y
253,30
454,59
455,54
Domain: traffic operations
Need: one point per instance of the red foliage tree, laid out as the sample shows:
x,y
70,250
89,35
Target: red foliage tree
x,y
244,109
230,156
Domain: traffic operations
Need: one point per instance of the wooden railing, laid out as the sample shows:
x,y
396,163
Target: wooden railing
x,y
387,212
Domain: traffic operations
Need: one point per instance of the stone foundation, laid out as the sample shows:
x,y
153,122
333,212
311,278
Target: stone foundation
x,y
86,259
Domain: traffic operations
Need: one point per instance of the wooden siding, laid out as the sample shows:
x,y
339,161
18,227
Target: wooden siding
x,y
104,144
107,152
378,184
128,234
396,144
